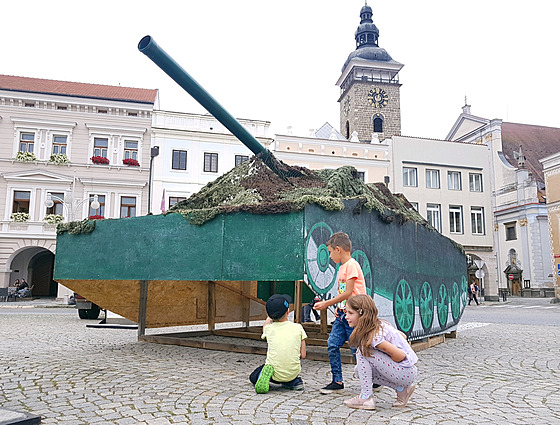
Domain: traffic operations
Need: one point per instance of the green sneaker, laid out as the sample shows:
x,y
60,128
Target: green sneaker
x,y
262,385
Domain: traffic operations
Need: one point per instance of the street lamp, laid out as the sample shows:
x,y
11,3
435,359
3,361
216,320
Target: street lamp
x,y
154,151
71,204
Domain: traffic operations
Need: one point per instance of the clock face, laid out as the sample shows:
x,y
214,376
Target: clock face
x,y
378,98
346,106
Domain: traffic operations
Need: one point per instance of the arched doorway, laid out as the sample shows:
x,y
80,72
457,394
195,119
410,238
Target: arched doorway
x,y
477,271
514,273
36,265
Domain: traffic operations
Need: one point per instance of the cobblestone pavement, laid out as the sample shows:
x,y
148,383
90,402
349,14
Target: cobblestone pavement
x,y
53,366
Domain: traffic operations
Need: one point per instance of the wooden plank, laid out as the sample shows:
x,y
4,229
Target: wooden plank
x,y
245,305
142,307
258,300
452,335
297,300
346,358
324,324
211,305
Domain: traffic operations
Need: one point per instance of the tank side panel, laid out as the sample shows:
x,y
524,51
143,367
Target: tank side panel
x,y
263,247
148,248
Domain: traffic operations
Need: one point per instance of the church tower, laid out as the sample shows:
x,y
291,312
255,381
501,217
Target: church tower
x,y
369,86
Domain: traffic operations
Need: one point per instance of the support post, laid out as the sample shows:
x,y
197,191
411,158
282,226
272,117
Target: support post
x,y
245,304
297,300
324,321
142,308
211,305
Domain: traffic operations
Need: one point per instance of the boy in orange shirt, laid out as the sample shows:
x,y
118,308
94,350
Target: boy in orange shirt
x,y
350,282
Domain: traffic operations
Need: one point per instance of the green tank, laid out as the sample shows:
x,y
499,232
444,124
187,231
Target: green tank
x,y
416,276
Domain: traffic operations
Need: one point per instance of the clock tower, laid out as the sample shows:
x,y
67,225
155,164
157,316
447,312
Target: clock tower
x,y
369,86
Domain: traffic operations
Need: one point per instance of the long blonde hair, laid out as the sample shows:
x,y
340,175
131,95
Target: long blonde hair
x,y
368,325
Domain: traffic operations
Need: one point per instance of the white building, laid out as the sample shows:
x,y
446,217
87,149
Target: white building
x,y
52,134
449,184
520,221
193,151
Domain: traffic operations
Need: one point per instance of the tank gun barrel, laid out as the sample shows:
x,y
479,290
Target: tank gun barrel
x,y
151,49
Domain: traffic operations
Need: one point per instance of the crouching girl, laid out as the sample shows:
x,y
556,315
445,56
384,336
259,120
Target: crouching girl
x,y
384,356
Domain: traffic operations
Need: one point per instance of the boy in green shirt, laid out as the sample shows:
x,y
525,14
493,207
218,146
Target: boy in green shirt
x,y
285,347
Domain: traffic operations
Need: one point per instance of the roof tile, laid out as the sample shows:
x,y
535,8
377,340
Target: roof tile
x,y
67,88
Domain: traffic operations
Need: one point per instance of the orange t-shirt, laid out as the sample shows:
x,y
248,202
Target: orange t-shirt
x,y
350,269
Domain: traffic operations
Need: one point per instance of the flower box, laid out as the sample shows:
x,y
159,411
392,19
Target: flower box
x,y
53,218
59,159
96,217
20,217
25,157
131,162
99,160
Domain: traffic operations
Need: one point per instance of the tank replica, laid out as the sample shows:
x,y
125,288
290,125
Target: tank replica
x,y
257,230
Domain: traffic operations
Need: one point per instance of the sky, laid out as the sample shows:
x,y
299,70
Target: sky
x,y
279,61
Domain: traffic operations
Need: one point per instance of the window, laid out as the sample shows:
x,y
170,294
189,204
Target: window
x,y
455,219
211,162
128,206
59,145
362,176
410,177
378,125
175,199
432,179
21,201
414,205
179,161
130,149
100,146
477,220
58,199
454,180
475,182
99,211
511,232
26,142
433,215
240,159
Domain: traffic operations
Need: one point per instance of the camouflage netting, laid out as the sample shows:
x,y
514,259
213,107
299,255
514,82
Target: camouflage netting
x,y
254,187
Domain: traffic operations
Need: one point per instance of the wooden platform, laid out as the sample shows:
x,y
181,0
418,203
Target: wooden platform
x,y
248,340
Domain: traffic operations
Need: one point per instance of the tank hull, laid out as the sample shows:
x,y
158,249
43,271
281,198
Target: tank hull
x,y
416,276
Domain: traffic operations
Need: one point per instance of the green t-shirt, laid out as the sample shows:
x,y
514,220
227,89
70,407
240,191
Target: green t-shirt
x,y
284,349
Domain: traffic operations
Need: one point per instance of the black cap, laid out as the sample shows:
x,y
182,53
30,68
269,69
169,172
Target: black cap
x,y
277,305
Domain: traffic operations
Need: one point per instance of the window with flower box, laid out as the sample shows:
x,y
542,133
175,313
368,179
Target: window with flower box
x,y
59,144
26,142
58,199
130,149
128,206
21,201
100,146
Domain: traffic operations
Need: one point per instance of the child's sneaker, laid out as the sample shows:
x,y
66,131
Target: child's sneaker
x,y
333,386
262,385
404,395
359,403
296,384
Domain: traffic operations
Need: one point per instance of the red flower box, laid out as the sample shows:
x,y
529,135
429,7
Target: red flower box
x,y
99,160
96,217
131,162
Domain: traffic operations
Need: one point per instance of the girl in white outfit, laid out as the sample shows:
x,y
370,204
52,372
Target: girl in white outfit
x,y
384,356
